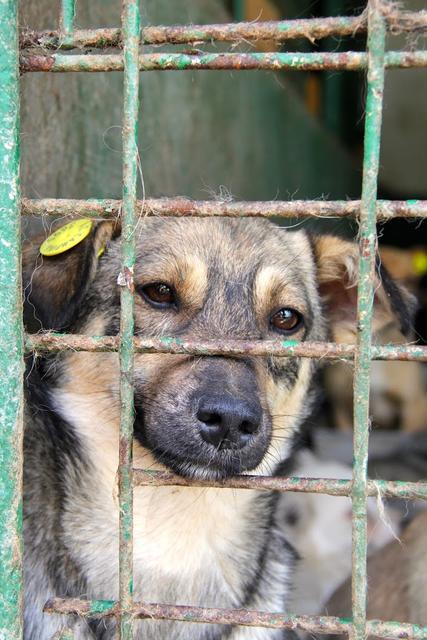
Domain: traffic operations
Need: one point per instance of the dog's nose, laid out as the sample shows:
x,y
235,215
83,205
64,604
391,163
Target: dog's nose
x,y
228,424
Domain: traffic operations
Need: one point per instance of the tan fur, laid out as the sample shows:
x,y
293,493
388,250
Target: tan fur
x,y
397,580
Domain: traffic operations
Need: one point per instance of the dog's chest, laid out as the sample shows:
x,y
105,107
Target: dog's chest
x,y
191,546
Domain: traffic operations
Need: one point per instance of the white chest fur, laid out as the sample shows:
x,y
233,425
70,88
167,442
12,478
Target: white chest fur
x,y
191,545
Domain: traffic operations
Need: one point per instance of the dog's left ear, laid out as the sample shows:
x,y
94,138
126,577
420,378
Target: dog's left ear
x,y
55,285
337,262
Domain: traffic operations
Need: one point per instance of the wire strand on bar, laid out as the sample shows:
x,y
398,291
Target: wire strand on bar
x,y
318,61
43,342
131,27
332,487
244,617
365,303
185,207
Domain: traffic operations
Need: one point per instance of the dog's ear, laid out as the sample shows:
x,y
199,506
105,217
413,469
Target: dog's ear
x,y
337,262
55,285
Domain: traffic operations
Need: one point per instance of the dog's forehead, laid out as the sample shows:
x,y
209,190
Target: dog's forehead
x,y
241,245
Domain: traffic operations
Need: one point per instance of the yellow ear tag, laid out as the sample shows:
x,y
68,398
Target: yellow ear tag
x,y
419,262
66,237
101,252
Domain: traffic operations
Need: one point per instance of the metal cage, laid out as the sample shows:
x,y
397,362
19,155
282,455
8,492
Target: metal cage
x,y
14,344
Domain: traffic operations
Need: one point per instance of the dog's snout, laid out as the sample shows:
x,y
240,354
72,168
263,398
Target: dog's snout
x,y
227,423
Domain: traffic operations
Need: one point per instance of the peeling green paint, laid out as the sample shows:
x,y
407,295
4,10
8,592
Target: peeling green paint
x,y
365,300
131,36
101,606
68,11
11,341
318,61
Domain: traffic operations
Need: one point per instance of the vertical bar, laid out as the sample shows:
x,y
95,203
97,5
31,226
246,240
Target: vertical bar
x,y
68,11
367,248
11,338
130,27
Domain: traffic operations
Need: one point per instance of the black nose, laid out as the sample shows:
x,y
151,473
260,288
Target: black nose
x,y
228,423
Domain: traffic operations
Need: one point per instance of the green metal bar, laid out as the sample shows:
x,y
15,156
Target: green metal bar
x,y
330,486
318,61
11,340
185,207
67,15
131,29
366,271
169,344
247,618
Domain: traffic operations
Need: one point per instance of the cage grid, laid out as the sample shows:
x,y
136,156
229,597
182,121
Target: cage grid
x,y
375,19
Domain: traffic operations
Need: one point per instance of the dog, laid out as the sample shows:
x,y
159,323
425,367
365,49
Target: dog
x,y
200,417
319,529
397,588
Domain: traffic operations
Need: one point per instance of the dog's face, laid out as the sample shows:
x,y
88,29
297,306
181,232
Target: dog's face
x,y
202,279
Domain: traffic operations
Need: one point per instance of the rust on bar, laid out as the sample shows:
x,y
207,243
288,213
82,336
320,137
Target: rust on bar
x,y
312,29
282,30
279,348
317,61
243,617
185,207
332,487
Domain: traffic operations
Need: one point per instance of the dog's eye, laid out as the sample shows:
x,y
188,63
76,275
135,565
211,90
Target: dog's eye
x,y
287,320
158,294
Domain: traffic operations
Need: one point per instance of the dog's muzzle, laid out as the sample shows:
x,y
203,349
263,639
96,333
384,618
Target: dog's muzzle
x,y
207,421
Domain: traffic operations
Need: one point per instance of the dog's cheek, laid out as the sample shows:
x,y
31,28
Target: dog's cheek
x,y
288,406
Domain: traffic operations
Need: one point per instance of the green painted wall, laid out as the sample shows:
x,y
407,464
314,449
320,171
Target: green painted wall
x,y
201,132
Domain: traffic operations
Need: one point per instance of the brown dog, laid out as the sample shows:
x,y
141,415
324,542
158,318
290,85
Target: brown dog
x,y
397,580
199,417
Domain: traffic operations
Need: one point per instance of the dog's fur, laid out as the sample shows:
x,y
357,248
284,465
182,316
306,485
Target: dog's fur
x,y
210,547
397,582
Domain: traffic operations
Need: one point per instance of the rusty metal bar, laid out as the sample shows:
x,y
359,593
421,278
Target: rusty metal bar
x,y
365,305
185,207
280,31
318,61
11,339
244,617
279,348
332,487
131,27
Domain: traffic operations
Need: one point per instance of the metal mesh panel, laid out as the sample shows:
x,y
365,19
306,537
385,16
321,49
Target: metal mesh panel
x,y
375,60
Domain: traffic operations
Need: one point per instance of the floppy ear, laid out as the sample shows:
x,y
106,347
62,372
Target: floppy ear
x,y
337,262
54,286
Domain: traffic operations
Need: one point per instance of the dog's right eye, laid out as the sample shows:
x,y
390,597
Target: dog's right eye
x,y
159,295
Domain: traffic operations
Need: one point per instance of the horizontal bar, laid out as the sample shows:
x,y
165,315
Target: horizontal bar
x,y
185,207
244,617
331,487
318,61
278,348
282,30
